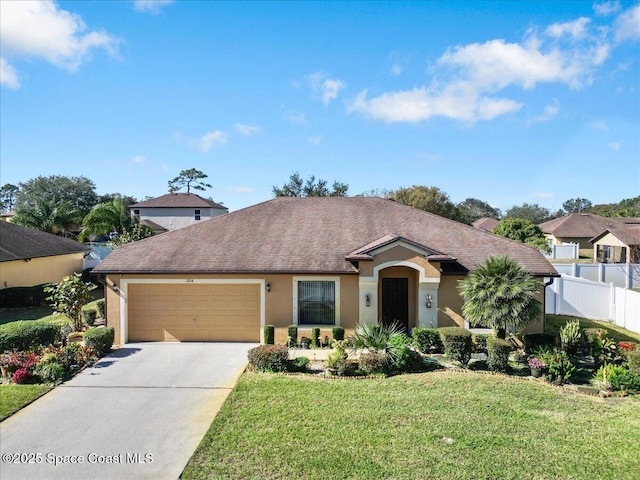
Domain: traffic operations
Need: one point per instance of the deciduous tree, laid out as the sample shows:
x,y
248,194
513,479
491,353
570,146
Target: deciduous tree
x,y
429,199
8,194
475,209
78,193
69,296
532,212
523,231
577,205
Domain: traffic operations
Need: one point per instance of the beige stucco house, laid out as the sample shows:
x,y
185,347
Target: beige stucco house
x,y
175,210
305,261
618,244
29,257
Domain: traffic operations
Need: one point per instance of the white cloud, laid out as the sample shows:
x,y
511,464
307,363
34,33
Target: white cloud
x,y
40,29
606,8
8,75
550,111
325,88
315,140
208,140
600,125
240,189
138,159
396,70
615,146
150,6
627,25
246,130
576,29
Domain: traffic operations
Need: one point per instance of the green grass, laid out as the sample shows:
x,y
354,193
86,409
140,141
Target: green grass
x,y
14,397
619,334
437,425
42,313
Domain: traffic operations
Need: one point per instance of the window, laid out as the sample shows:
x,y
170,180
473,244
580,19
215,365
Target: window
x,y
136,212
316,302
196,214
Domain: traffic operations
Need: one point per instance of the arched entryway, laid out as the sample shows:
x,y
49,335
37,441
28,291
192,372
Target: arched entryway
x,y
398,290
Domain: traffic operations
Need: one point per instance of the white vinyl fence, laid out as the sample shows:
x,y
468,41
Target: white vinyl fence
x,y
97,254
565,251
594,300
623,275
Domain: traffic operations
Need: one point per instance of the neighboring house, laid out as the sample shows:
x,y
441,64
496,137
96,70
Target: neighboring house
x,y
617,244
305,261
487,224
175,210
7,216
30,257
580,228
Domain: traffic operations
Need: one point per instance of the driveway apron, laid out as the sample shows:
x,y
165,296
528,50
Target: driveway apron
x,y
138,413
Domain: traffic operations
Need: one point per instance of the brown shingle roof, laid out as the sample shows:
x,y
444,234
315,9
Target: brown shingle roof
x,y
581,225
19,243
628,234
486,223
178,200
309,235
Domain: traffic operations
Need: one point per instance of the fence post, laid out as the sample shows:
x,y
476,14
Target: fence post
x,y
612,302
574,269
628,280
576,250
559,294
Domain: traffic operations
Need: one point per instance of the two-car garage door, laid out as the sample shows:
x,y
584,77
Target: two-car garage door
x,y
194,312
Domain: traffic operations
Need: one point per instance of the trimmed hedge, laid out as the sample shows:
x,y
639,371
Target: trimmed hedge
x,y
100,339
17,297
401,357
480,342
26,334
315,337
100,307
427,340
269,358
269,334
89,317
292,332
337,333
498,351
458,343
534,340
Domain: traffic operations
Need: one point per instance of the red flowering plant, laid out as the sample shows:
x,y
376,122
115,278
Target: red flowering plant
x,y
18,365
624,347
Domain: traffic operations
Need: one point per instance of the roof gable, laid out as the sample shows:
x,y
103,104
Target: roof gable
x,y
581,225
311,235
20,243
178,200
368,251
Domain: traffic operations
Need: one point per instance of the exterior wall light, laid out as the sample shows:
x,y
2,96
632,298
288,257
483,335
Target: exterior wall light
x,y
428,298
268,287
367,300
114,287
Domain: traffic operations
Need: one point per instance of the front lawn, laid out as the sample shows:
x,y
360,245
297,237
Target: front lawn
x,y
434,425
14,397
619,334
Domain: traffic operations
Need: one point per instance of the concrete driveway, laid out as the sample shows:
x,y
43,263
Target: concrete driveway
x,y
138,413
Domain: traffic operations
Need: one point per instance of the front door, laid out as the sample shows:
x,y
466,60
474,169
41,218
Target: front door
x,y
395,302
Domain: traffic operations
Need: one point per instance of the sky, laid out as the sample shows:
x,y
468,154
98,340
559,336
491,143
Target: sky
x,y
508,102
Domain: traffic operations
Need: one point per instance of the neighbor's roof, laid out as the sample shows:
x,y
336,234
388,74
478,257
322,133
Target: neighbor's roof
x,y
486,223
626,233
583,225
19,243
178,200
311,235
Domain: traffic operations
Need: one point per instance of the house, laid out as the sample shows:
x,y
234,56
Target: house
x,y
320,261
175,210
30,257
580,228
485,223
619,243
7,216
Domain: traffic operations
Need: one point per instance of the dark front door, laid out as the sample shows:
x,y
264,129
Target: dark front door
x,y
395,302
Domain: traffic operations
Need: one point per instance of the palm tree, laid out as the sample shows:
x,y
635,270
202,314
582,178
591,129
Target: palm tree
x,y
105,218
499,294
47,216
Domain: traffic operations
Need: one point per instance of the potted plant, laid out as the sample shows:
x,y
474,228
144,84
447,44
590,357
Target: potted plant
x,y
537,366
305,342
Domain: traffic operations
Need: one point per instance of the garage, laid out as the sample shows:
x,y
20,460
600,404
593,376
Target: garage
x,y
193,312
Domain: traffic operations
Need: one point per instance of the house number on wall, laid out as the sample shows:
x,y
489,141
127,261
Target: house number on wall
x,y
189,280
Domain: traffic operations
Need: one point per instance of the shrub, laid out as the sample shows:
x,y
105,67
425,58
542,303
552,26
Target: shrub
x,y
498,351
480,342
401,357
337,333
21,375
560,367
269,358
100,339
427,340
457,344
16,360
26,334
633,361
534,340
50,372
17,297
298,364
292,333
100,308
372,362
618,377
570,335
375,338
269,334
69,296
315,337
89,317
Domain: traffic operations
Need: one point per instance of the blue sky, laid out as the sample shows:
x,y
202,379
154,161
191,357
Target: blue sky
x,y
508,102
